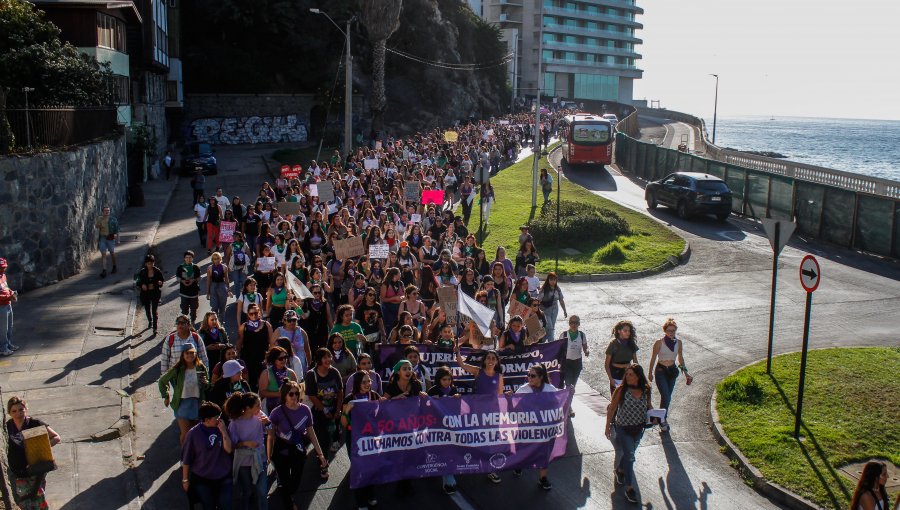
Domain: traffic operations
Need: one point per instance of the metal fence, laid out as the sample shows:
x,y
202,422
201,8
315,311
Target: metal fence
x,y
838,207
58,127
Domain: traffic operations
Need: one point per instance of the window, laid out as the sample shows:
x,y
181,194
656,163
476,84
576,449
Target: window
x,y
590,134
110,32
172,90
119,89
596,86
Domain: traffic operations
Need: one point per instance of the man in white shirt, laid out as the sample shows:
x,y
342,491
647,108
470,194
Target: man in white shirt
x,y
224,202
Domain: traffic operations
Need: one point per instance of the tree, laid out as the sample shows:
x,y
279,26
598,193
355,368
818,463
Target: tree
x,y
32,55
381,19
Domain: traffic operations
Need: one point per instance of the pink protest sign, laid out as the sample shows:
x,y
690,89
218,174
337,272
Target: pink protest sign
x,y
433,196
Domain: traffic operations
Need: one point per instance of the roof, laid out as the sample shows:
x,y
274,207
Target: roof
x,y
582,117
95,4
699,176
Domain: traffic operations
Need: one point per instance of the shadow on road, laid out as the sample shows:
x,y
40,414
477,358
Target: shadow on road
x,y
591,177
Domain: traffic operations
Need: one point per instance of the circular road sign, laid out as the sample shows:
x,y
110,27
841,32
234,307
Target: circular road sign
x,y
810,274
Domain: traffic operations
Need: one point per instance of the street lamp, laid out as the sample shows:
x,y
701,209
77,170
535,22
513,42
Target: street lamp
x,y
537,112
26,90
715,107
348,86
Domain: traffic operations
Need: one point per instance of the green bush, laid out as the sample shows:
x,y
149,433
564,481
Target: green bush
x,y
578,224
742,389
612,253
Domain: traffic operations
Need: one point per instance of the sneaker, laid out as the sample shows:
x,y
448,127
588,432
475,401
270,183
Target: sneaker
x,y
663,427
620,477
517,472
103,274
14,347
8,352
449,489
631,495
494,477
114,269
545,484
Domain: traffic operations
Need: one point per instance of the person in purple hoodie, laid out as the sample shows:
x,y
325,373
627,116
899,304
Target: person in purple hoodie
x,y
206,461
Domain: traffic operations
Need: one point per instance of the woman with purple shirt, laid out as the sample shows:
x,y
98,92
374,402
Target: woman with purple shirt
x,y
206,460
488,381
292,432
247,431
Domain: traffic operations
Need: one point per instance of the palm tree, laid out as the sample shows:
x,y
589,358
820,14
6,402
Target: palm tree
x,y
381,18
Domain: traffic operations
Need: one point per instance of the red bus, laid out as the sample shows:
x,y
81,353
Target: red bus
x,y
588,139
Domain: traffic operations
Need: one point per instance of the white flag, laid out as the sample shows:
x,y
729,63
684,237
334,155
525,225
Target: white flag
x,y
476,311
297,286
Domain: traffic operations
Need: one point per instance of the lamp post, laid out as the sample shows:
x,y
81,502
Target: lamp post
x,y
348,85
537,112
26,90
715,108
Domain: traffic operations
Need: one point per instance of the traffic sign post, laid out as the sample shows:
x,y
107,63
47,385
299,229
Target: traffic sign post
x,y
778,232
810,275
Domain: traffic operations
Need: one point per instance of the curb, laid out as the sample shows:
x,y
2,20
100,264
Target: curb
x,y
672,263
748,471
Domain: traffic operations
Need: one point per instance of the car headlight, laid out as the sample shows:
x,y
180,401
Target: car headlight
x,y
212,159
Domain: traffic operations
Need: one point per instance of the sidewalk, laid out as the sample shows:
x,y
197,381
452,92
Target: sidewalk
x,y
73,365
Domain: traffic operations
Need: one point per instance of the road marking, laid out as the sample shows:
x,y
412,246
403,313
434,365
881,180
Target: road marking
x,y
729,233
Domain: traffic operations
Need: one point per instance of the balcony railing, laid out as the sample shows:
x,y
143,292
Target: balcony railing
x,y
60,127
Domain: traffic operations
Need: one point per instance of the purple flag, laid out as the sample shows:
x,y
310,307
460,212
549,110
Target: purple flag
x,y
422,437
515,366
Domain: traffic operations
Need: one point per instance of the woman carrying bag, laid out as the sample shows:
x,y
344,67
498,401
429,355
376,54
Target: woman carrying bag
x,y
28,481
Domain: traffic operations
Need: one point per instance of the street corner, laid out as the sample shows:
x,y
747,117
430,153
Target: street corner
x,y
83,413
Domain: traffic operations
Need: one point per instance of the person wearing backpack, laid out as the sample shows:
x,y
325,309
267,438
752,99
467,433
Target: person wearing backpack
x,y
172,345
576,345
237,258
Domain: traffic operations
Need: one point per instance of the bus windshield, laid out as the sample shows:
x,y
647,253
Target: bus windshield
x,y
590,134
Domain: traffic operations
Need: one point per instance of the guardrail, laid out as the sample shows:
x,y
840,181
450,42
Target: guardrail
x,y
59,127
837,207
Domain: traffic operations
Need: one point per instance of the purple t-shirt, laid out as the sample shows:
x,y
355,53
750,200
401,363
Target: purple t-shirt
x,y
247,429
291,424
203,452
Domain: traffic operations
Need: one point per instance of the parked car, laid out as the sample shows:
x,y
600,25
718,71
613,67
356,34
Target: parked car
x,y
690,194
198,155
611,117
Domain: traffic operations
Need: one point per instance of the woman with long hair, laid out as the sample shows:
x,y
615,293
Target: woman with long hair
x,y
343,359
392,294
403,382
276,299
551,297
253,343
325,390
214,337
277,373
218,288
620,353
488,381
189,380
625,419
150,281
248,437
538,382
870,493
28,489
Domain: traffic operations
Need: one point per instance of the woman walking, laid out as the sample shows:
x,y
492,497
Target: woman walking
x,y
325,390
214,338
870,493
538,382
212,218
276,374
576,345
287,445
625,419
551,297
362,390
620,353
248,437
189,380
665,352
253,343
488,381
218,289
150,281
206,460
28,489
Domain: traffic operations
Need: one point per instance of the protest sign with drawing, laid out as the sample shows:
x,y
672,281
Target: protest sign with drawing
x,y
536,331
226,231
350,247
266,263
517,308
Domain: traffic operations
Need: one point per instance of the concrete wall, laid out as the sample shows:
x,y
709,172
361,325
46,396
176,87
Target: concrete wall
x,y
211,106
49,203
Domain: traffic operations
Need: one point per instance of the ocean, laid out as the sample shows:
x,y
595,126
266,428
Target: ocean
x,y
869,147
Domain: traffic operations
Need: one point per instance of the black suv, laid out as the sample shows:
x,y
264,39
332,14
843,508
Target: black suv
x,y
690,193
196,155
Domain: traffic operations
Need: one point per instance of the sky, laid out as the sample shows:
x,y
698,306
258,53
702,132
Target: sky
x,y
804,58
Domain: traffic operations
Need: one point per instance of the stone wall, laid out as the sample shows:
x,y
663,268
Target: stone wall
x,y
210,106
49,203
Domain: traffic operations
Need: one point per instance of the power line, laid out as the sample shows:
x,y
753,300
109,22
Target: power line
x,y
452,65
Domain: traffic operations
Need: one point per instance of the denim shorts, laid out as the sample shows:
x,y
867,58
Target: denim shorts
x,y
107,245
188,409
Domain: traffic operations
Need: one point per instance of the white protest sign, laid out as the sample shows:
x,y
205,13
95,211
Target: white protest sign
x,y
379,251
265,263
370,164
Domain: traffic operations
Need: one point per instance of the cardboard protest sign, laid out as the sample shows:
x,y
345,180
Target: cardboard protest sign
x,y
313,190
289,208
378,145
411,191
226,231
379,251
449,300
370,164
265,263
350,247
451,136
433,196
326,191
536,332
517,308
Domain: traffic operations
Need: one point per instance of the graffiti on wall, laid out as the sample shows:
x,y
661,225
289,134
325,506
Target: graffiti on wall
x,y
233,130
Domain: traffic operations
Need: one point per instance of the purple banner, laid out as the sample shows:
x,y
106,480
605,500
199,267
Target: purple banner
x,y
515,366
422,437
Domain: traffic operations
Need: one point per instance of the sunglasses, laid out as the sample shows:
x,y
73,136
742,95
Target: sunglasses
x,y
251,314
406,336
293,393
282,358
532,376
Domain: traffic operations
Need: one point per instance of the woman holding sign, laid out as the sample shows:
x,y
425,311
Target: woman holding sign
x,y
538,382
488,381
218,288
28,488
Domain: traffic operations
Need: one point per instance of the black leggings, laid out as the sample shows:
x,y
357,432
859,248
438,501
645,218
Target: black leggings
x,y
150,300
288,462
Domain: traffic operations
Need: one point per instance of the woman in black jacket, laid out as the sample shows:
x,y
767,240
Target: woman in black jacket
x,y
150,281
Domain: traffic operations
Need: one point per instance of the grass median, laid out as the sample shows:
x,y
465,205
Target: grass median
x,y
647,245
850,414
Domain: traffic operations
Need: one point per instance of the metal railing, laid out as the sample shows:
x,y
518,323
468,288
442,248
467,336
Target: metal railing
x,y
60,127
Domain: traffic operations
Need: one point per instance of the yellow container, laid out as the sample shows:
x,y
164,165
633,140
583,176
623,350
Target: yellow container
x,y
37,445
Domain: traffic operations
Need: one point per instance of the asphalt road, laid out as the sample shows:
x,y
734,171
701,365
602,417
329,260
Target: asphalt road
x,y
720,299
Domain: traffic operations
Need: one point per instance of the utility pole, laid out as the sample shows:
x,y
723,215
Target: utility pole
x,y
26,90
348,82
537,112
715,108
